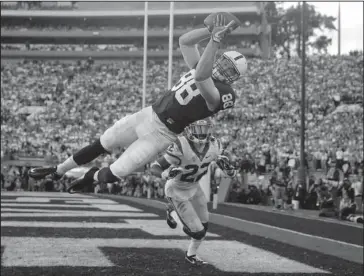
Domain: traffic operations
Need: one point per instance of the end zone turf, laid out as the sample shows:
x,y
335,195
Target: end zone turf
x,y
116,242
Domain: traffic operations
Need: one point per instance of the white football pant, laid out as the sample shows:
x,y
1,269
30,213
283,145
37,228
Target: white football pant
x,y
192,212
144,135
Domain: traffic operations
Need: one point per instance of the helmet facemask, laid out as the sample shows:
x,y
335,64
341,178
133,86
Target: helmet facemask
x,y
199,132
225,70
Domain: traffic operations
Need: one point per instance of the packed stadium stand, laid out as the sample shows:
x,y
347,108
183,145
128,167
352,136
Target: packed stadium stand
x,y
69,73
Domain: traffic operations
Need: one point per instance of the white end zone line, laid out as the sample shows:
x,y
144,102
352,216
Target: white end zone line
x,y
294,214
288,230
43,194
344,250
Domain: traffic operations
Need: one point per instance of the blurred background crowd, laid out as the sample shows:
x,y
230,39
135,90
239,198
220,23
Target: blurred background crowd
x,y
52,108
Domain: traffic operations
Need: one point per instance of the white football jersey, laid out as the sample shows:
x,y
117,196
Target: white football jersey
x,y
184,155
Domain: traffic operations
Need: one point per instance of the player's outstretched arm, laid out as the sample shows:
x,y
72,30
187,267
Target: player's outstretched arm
x,y
203,76
204,67
188,45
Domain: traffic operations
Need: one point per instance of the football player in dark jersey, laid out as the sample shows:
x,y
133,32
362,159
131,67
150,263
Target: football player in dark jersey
x,y
200,93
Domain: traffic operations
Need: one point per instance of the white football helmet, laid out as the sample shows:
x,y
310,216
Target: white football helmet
x,y
199,132
229,67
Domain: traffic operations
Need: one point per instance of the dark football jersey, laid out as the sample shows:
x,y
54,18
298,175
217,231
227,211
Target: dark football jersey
x,y
183,104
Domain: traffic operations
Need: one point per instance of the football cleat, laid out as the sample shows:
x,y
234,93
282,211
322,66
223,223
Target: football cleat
x,y
170,220
194,260
86,181
43,172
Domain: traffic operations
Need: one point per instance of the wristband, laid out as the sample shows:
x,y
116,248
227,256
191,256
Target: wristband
x,y
215,39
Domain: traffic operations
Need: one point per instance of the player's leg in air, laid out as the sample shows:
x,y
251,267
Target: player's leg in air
x,y
142,132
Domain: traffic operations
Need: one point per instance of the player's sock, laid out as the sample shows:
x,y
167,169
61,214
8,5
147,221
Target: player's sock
x,y
83,156
67,165
89,153
105,175
194,245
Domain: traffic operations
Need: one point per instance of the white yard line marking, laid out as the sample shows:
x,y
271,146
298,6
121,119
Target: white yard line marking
x,y
92,201
41,199
77,214
8,200
33,199
67,200
43,194
153,227
46,200
225,255
29,210
104,207
114,207
16,211
44,205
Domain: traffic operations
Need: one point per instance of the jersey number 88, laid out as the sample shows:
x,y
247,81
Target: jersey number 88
x,y
185,89
227,101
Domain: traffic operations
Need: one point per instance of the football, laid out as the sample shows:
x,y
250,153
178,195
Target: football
x,y
209,21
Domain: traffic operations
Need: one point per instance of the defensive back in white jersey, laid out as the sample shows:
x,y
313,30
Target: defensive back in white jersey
x,y
194,165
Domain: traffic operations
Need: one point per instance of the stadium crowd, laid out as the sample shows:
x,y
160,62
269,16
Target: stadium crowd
x,y
38,5
268,103
104,47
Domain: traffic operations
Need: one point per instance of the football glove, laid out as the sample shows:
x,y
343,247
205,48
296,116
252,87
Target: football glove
x,y
170,173
224,164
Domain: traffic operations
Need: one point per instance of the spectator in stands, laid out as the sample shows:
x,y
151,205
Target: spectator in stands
x,y
2,181
289,193
300,194
339,158
314,196
278,184
357,185
347,201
